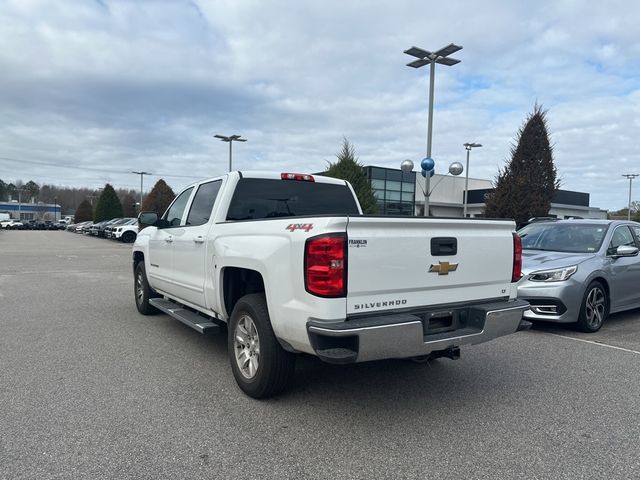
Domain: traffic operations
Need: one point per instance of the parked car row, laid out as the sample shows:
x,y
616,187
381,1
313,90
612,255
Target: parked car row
x,y
13,224
123,229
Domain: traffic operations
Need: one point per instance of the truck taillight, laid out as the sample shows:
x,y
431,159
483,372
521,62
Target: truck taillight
x,y
516,273
302,177
325,269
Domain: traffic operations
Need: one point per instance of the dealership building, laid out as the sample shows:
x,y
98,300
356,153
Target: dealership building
x,y
31,211
400,193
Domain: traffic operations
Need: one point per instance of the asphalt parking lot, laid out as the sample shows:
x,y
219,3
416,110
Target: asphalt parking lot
x,y
91,389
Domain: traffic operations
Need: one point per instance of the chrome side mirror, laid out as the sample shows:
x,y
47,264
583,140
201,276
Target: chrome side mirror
x,y
626,251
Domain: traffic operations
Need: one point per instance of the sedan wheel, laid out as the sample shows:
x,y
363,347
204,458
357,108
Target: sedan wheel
x,y
595,308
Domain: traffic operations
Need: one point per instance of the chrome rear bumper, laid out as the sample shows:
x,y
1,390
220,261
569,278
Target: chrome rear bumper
x,y
405,335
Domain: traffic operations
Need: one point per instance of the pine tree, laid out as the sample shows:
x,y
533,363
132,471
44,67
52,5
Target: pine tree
x,y
159,198
84,212
108,205
348,168
31,188
525,187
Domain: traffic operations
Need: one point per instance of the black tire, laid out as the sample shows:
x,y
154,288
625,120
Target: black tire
x,y
594,309
274,367
128,237
142,291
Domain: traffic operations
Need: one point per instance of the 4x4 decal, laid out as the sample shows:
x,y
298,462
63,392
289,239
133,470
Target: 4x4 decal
x,y
300,226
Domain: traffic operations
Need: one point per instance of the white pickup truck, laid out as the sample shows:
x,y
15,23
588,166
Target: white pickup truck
x,y
292,266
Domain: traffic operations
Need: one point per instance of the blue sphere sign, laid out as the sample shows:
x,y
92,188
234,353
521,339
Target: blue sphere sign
x,y
427,164
431,172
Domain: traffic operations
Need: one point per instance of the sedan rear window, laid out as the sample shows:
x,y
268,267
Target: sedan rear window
x,y
256,198
563,237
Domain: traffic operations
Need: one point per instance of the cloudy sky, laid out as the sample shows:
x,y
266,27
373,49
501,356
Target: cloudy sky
x,y
92,89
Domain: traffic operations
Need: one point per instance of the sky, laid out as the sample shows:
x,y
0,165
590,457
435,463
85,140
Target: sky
x,y
91,90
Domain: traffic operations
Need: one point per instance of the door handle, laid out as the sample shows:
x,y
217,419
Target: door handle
x,y
199,239
168,239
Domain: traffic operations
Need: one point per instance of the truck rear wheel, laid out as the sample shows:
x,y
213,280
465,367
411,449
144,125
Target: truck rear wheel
x,y
142,291
260,365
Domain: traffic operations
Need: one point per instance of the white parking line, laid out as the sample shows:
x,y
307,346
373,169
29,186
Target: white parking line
x,y
595,343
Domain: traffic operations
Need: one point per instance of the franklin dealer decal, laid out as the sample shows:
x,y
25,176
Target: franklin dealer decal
x,y
357,243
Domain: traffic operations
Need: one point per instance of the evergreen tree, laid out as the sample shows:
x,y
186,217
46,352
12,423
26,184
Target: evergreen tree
x,y
84,212
348,168
525,187
159,198
12,191
31,188
108,205
3,191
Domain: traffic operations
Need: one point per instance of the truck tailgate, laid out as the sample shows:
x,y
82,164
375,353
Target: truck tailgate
x,y
396,263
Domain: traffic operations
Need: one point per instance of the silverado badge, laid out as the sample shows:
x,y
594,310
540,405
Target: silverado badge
x,y
443,268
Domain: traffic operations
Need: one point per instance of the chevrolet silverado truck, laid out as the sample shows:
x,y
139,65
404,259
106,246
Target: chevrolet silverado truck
x,y
288,263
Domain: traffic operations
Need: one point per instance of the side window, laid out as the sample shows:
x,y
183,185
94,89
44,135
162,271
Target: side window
x,y
621,236
173,216
636,230
202,204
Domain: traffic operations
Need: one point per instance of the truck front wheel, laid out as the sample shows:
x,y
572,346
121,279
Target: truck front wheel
x,y
143,291
260,365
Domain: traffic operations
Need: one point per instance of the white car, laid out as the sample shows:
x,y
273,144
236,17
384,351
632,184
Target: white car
x,y
126,233
289,262
11,224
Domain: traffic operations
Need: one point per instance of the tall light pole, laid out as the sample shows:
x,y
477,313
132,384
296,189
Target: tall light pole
x,y
426,57
142,174
468,146
55,209
230,140
630,176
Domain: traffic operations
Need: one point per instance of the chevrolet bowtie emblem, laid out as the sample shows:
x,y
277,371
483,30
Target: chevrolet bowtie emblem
x,y
443,268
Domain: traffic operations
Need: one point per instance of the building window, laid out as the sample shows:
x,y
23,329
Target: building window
x,y
393,189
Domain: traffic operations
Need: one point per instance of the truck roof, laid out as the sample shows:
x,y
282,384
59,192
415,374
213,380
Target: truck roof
x,y
278,176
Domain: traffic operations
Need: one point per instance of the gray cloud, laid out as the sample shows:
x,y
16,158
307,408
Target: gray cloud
x,y
123,85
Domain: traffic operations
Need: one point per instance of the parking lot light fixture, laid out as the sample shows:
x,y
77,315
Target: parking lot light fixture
x,y
142,174
425,57
630,176
468,147
230,139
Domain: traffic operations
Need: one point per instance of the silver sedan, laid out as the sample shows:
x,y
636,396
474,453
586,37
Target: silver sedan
x,y
580,270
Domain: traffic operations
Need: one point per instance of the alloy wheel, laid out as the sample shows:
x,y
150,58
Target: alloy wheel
x,y
595,306
139,288
246,344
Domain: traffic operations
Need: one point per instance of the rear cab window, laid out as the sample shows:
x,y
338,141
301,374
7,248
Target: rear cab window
x,y
257,198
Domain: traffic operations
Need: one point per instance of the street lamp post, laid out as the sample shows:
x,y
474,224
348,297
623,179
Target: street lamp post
x,y
55,209
468,147
630,176
426,57
142,174
230,139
